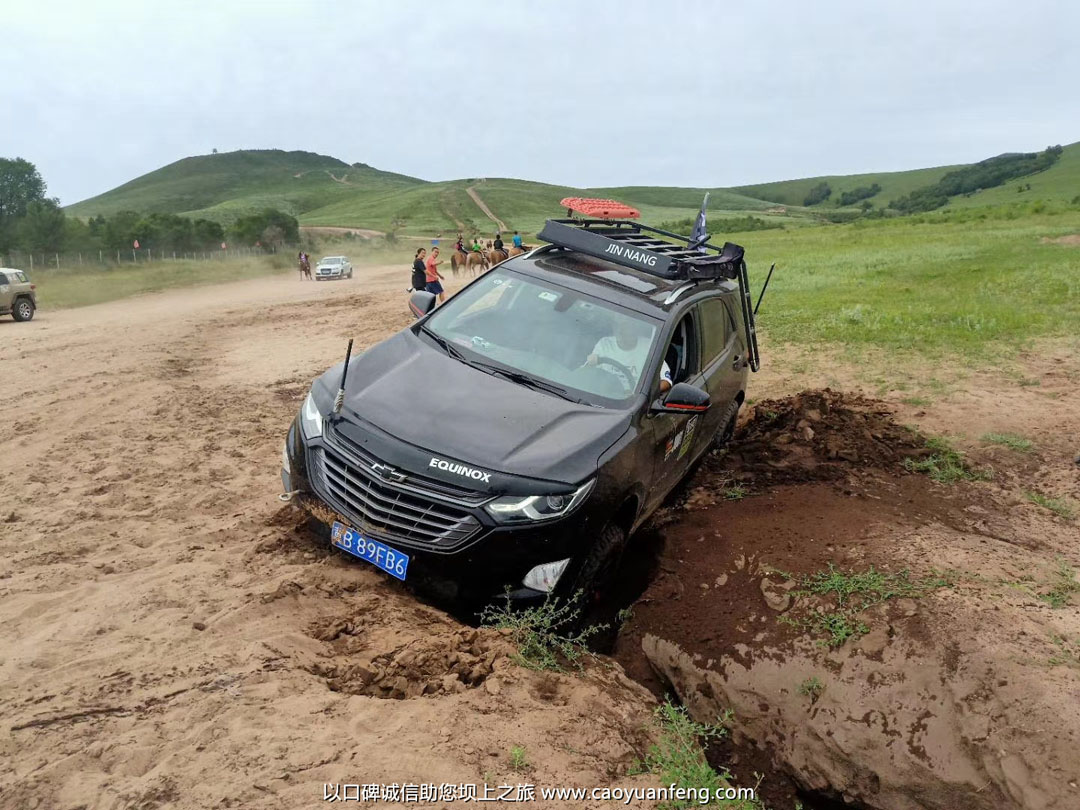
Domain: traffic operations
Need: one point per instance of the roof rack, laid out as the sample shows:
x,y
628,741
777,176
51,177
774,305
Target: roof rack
x,y
659,253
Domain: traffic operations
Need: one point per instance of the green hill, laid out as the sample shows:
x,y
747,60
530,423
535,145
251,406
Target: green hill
x,y
325,191
222,186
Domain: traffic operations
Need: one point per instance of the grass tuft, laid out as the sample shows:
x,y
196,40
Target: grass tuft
x,y
1059,506
812,688
1061,587
852,592
678,758
544,635
1010,440
945,464
519,760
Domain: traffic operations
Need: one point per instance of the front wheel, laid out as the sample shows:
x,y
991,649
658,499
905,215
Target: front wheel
x,y
24,310
597,574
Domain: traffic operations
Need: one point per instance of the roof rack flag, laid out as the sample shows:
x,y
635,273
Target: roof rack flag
x,y
698,237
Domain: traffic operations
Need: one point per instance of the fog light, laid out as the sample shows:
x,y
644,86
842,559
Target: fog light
x,y
545,576
285,459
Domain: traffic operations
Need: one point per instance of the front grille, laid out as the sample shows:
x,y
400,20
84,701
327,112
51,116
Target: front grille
x,y
469,496
386,512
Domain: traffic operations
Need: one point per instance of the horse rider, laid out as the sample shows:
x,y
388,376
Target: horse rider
x,y
517,241
499,243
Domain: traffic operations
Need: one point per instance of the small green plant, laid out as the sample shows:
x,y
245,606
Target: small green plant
x,y
1010,440
769,416
1061,587
1068,652
918,402
678,757
519,761
1059,506
544,635
735,492
812,688
945,465
853,592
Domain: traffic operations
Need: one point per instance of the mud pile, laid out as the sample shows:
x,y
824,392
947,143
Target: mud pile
x,y
428,665
955,697
815,435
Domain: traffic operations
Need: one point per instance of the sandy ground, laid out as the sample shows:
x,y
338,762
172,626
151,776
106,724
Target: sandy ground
x,y
169,637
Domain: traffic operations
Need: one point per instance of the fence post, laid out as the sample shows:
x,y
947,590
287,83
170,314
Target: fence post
x,y
57,255
100,258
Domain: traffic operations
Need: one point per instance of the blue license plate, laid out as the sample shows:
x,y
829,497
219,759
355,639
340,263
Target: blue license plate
x,y
378,554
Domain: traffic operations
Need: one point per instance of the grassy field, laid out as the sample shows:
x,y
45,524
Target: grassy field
x,y
65,288
973,288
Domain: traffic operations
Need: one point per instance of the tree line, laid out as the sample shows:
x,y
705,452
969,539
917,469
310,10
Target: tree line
x,y
985,174
31,221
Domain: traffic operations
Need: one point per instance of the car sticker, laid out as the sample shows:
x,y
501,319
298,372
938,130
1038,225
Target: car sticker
x,y
690,426
680,441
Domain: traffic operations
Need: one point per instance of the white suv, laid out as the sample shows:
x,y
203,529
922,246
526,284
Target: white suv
x,y
333,267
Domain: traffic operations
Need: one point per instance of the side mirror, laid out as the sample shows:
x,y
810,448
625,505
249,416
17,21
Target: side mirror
x,y
683,398
421,303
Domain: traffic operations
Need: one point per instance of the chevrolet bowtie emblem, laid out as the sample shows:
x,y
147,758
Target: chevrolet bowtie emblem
x,y
388,472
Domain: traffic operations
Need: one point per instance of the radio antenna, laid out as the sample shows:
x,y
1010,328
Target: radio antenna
x,y
339,400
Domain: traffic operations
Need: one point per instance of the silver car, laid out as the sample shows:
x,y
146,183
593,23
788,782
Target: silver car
x,y
330,267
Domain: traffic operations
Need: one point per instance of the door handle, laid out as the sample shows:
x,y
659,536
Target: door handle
x,y
736,362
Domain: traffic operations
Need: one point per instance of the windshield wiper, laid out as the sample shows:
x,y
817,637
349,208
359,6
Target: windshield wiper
x,y
447,346
521,378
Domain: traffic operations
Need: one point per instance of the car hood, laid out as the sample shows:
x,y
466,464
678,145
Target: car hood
x,y
412,391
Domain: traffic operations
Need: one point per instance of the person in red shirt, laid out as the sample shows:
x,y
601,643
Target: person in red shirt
x,y
431,268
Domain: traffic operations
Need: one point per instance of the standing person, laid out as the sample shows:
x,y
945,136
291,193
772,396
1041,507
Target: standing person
x,y
432,274
517,241
419,273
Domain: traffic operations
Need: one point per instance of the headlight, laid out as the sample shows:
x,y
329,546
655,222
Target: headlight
x,y
310,418
526,508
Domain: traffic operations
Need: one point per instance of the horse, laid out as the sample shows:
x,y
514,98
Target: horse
x,y
305,269
517,251
477,259
496,256
458,260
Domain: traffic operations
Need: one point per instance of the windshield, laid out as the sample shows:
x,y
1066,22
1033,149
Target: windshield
x,y
331,260
594,350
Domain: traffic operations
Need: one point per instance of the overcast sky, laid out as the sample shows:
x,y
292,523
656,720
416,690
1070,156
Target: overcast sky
x,y
583,93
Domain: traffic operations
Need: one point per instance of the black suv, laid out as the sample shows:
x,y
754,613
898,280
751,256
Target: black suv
x,y
516,436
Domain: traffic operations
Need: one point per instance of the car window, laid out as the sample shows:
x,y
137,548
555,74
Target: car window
x,y
716,328
682,352
20,277
595,350
3,279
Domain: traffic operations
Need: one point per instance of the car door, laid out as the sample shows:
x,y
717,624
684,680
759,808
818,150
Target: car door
x,y
721,362
672,434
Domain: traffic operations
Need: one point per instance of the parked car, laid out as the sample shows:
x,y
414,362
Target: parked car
x,y
330,267
17,295
514,438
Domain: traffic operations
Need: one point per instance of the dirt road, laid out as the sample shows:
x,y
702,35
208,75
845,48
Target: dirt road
x,y
471,191
168,639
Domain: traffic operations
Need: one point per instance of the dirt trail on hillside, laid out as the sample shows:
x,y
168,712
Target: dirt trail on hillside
x,y
471,191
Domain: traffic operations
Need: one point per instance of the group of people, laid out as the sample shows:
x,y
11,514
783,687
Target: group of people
x,y
425,267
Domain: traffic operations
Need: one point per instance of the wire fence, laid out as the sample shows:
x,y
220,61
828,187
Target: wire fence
x,y
37,260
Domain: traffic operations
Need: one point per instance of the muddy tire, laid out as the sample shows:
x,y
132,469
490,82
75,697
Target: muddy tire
x,y
597,573
23,310
727,432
